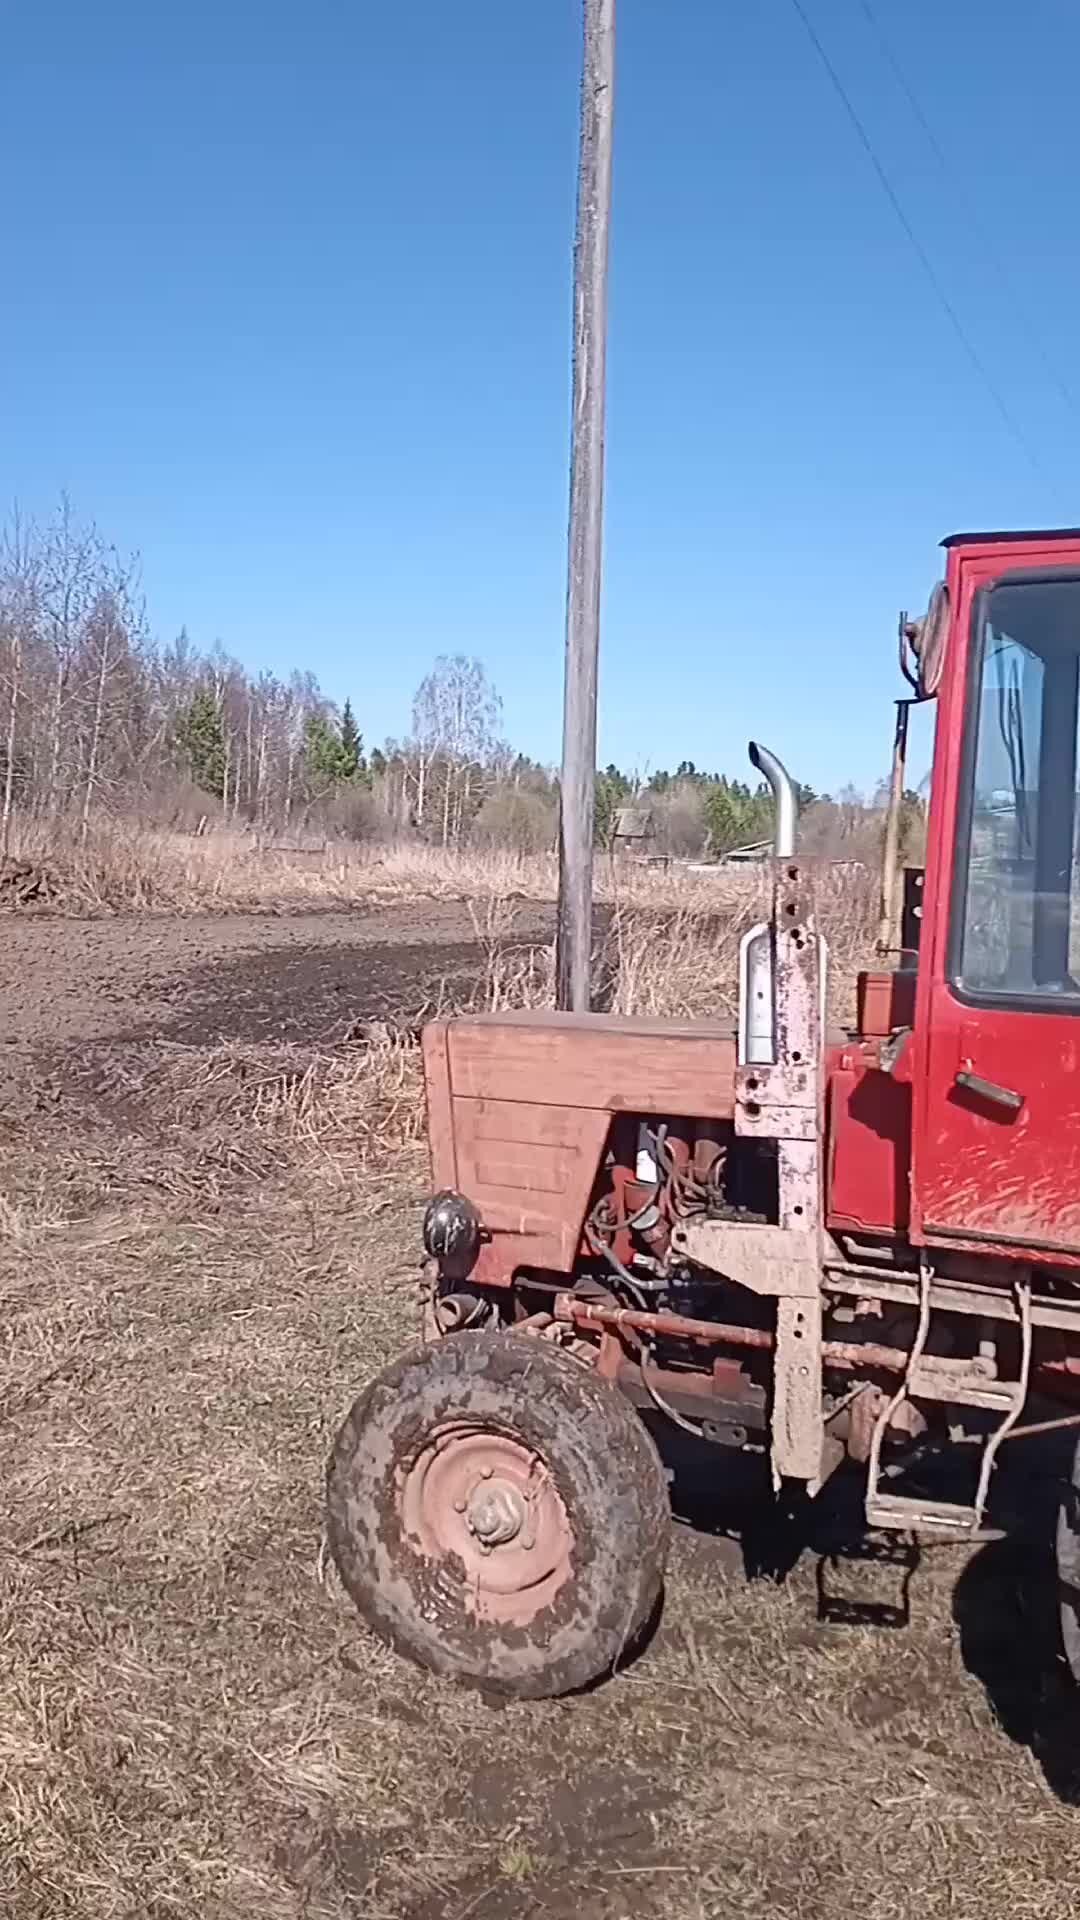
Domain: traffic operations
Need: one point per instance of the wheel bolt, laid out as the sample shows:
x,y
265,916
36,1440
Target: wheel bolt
x,y
459,1506
486,1473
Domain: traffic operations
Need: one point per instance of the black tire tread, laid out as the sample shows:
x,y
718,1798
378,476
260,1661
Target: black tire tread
x,y
1068,1569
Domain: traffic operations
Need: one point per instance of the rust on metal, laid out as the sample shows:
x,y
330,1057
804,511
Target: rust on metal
x,y
587,1313
678,1326
877,1358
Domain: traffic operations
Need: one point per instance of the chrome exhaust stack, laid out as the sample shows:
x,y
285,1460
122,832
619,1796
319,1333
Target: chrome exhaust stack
x,y
783,790
757,949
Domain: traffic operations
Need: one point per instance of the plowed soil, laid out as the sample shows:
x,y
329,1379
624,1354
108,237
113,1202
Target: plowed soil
x,y
298,977
209,1195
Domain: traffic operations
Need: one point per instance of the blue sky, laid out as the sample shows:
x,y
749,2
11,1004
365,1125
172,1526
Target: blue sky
x,y
286,308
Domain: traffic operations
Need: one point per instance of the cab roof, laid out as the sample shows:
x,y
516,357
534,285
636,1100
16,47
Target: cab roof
x,y
1021,533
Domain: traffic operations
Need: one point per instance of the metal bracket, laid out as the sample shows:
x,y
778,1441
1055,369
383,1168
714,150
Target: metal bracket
x,y
798,1433
777,1262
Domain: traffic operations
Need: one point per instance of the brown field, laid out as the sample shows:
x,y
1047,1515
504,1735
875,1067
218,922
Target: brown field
x,y
211,1171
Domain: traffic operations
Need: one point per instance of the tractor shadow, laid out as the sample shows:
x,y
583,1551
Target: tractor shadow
x,y
1005,1602
1005,1605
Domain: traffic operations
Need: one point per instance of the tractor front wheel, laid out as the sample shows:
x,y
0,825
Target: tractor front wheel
x,y
499,1514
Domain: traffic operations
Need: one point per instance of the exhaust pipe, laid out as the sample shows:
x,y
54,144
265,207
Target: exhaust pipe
x,y
757,949
779,779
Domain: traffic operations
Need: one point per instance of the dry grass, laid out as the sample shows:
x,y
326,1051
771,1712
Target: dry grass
x,y
672,952
122,866
173,1128
198,1269
681,961
194,1722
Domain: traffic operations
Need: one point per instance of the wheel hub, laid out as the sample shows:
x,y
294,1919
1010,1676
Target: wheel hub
x,y
495,1513
483,1506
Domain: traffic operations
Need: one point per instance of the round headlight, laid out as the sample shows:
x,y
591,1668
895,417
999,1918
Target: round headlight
x,y
451,1233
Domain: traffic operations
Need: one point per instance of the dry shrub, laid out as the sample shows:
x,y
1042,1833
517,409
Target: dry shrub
x,y
677,966
358,1108
189,1129
675,959
122,866
257,1111
116,866
516,817
514,974
684,964
846,898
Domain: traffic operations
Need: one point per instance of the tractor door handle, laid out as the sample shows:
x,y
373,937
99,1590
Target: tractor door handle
x,y
989,1090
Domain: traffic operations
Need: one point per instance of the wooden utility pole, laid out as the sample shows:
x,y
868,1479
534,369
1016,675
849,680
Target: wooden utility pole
x,y
888,918
577,790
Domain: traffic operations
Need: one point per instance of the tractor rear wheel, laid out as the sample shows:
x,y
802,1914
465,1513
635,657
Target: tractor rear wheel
x,y
1068,1568
499,1514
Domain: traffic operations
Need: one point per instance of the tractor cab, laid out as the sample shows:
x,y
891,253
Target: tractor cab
x,y
996,1146
954,1111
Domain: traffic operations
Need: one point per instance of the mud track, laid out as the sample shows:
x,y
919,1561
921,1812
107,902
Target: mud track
x,y
231,977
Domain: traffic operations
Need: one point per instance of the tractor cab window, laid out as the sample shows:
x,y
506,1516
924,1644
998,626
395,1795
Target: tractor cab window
x,y
1016,931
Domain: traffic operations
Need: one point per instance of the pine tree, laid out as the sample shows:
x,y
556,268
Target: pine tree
x,y
352,746
200,734
612,791
325,759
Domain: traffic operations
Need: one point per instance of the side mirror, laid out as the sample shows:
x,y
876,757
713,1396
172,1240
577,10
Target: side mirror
x,y
922,645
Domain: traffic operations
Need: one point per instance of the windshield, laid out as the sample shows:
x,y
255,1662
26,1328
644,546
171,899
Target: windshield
x,y
1018,903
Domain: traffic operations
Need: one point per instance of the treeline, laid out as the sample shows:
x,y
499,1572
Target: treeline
x,y
98,715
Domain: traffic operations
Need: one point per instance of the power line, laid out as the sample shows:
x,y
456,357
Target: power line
x,y
978,226
975,359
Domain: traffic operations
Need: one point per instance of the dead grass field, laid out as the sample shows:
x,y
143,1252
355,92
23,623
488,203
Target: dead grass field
x,y
121,865
209,1242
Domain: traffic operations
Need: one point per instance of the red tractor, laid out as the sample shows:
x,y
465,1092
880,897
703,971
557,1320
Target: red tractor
x,y
814,1246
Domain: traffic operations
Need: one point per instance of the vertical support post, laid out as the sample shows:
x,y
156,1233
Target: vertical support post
x,y
887,920
797,1426
577,788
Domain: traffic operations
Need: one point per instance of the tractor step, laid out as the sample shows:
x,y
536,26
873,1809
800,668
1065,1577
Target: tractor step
x,y
912,1515
928,1381
926,1378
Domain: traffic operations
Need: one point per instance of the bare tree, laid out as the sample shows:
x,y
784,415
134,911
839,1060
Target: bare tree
x,y
18,608
96,715
456,713
104,637
71,565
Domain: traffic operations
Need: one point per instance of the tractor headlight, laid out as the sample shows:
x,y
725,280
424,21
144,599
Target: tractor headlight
x,y
451,1233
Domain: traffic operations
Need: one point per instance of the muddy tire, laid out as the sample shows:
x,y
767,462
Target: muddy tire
x,y
1068,1569
499,1514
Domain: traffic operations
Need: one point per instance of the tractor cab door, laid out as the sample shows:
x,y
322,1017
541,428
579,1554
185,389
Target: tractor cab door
x,y
997,1110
